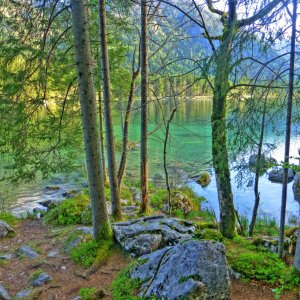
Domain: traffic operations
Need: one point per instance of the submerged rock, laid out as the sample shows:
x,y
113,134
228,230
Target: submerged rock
x,y
5,229
276,175
26,251
3,293
190,270
42,279
147,234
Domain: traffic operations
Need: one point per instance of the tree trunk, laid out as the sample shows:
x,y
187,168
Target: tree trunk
x,y
144,109
125,139
87,97
297,253
110,143
101,130
288,131
257,171
218,120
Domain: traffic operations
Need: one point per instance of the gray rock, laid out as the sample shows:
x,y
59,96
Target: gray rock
x,y
85,230
276,175
7,256
144,235
5,229
42,279
26,251
233,274
50,203
23,294
76,298
271,244
190,270
53,253
3,293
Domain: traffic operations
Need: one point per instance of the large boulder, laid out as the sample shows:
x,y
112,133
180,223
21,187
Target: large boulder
x,y
276,175
147,234
190,270
5,229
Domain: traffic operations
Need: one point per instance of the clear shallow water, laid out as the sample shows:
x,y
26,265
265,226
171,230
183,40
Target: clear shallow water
x,y
189,150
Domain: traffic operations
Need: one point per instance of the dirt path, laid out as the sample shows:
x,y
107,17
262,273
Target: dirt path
x,y
15,274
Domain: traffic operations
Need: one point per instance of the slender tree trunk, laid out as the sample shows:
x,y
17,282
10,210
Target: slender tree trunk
x,y
288,131
126,122
218,120
144,109
257,171
110,143
87,97
101,130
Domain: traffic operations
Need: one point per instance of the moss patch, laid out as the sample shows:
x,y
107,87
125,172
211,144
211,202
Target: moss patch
x,y
124,287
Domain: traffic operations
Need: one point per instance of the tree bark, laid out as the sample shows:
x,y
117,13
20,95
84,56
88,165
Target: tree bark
x,y
87,98
144,109
101,130
126,122
257,171
288,131
218,120
110,143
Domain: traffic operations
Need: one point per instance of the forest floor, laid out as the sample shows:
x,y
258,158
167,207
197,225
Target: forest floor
x,y
15,274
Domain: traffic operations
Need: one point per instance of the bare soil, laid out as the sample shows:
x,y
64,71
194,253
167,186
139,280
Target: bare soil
x,y
16,273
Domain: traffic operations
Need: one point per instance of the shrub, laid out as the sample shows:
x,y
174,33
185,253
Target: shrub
x,y
68,212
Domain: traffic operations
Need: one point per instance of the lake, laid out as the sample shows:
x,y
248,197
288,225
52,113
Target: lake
x,y
189,151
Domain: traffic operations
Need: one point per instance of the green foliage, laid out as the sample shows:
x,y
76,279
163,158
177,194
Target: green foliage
x,y
85,253
68,212
9,218
266,226
156,199
91,251
266,267
209,234
90,294
124,287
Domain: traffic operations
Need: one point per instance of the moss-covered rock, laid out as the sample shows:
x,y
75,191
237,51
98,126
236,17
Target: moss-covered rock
x,y
208,234
204,179
179,201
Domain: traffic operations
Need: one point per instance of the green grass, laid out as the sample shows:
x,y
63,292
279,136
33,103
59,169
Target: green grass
x,y
89,252
90,294
8,218
124,287
263,266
